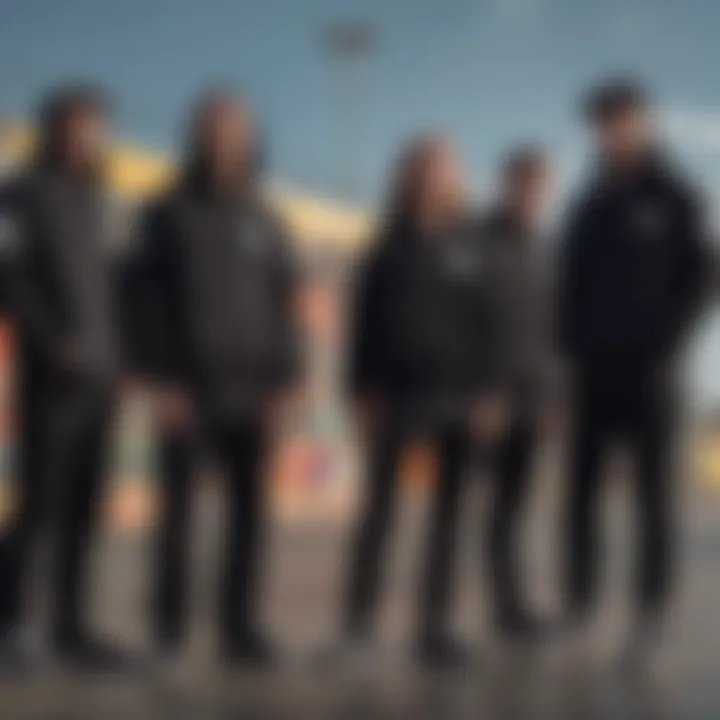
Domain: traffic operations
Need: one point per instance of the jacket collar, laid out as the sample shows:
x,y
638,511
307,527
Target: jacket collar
x,y
654,165
502,222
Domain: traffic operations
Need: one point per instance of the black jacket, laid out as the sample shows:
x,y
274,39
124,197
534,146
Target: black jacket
x,y
212,292
59,271
426,324
634,269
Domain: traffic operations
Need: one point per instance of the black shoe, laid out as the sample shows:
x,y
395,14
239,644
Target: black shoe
x,y
442,652
576,621
168,664
643,643
250,650
87,653
518,625
349,654
20,653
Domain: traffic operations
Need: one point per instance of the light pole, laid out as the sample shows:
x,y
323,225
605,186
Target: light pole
x,y
349,44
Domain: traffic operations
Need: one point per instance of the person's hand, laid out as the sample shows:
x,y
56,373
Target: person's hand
x,y
173,407
489,418
71,358
367,415
280,409
133,386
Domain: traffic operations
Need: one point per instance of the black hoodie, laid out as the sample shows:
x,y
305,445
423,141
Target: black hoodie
x,y
634,270
426,328
213,296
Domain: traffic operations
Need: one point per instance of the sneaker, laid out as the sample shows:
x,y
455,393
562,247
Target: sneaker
x,y
579,641
643,644
352,654
87,653
168,663
517,625
442,652
21,651
251,650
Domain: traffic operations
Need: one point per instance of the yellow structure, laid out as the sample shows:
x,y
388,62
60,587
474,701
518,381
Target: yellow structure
x,y
706,458
137,173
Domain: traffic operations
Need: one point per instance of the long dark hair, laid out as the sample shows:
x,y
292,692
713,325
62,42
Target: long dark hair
x,y
55,111
403,209
195,171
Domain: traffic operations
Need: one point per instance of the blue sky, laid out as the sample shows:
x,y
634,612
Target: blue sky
x,y
488,72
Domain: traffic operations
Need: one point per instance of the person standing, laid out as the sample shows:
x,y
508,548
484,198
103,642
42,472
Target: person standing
x,y
421,368
59,292
215,339
515,246
633,272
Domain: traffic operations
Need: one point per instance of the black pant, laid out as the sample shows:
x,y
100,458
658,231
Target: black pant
x,y
637,408
510,469
238,445
64,427
376,520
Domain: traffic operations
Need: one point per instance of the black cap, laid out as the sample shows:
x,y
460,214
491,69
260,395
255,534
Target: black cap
x,y
614,97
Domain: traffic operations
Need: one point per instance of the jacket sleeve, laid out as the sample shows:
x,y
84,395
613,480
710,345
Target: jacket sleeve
x,y
288,365
18,295
120,275
694,274
495,372
365,347
567,301
494,359
150,302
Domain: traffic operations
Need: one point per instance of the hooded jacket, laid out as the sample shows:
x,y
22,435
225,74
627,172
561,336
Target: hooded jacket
x,y
634,269
58,270
426,325
213,288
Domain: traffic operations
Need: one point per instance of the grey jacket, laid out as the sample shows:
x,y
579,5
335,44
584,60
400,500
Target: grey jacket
x,y
518,263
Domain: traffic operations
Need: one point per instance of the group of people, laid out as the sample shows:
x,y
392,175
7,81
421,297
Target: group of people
x,y
454,325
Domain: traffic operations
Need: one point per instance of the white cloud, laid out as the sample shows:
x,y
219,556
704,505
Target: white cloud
x,y
693,128
695,133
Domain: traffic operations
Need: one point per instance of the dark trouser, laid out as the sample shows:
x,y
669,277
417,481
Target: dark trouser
x,y
636,408
62,449
239,448
376,519
510,468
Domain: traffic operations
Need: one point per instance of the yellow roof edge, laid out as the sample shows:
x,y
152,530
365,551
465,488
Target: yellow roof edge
x,y
138,173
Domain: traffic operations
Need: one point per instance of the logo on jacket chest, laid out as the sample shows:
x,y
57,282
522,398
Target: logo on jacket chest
x,y
251,235
461,262
647,220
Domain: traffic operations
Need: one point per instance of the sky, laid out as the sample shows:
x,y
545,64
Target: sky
x,y
489,73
